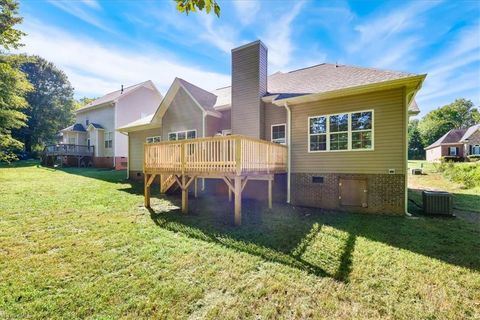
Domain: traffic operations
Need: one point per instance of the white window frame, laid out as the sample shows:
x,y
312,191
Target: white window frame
x,y
70,140
153,138
271,133
327,132
454,154
106,140
182,131
227,132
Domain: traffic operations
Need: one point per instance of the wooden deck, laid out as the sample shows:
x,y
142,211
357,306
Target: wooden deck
x,y
79,152
235,159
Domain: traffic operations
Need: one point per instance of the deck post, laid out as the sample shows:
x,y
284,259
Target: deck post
x,y
184,195
195,186
238,200
229,195
146,194
161,183
270,194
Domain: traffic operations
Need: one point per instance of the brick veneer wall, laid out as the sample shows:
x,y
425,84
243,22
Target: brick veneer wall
x,y
386,193
121,163
103,162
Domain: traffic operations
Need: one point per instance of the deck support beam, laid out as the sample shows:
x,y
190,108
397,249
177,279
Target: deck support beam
x,y
270,194
238,200
146,191
184,195
195,188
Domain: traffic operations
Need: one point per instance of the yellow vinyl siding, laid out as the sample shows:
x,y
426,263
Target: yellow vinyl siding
x,y
389,138
135,144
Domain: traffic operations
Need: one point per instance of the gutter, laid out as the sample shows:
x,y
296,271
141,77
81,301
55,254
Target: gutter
x,y
289,150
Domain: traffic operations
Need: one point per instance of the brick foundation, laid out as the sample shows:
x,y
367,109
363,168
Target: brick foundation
x,y
386,192
121,163
103,162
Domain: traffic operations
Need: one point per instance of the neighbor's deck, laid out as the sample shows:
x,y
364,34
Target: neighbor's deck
x,y
68,150
235,159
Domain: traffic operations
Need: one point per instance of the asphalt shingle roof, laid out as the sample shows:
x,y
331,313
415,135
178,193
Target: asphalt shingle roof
x,y
204,98
320,78
76,127
452,136
112,96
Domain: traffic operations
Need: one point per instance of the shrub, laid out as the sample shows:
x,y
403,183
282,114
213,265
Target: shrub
x,y
466,174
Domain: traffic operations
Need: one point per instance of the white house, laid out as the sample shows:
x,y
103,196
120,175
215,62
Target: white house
x,y
96,123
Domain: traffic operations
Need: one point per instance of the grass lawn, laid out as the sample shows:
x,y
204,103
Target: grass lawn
x,y
464,200
77,243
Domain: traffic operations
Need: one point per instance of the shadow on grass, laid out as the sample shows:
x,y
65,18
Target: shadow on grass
x,y
20,164
319,242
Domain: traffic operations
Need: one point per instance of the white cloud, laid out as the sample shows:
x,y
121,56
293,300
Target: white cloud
x,y
94,68
77,9
92,4
279,38
246,10
217,34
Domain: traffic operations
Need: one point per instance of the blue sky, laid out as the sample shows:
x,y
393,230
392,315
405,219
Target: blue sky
x,y
103,44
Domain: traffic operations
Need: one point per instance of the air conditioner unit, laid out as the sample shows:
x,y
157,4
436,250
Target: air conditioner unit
x,y
437,202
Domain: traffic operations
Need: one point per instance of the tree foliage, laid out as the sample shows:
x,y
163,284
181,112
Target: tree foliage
x,y
13,83
415,142
13,87
51,103
187,6
83,101
9,36
456,115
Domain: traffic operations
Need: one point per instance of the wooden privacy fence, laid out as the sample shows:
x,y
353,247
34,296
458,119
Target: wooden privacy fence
x,y
234,155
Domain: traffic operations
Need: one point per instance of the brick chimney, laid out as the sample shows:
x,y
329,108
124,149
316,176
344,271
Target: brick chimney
x,y
249,85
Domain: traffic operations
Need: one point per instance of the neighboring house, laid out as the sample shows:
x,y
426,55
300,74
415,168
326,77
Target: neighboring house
x,y
344,127
456,143
96,122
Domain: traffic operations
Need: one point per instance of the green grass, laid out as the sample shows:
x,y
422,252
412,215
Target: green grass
x,y
78,244
464,199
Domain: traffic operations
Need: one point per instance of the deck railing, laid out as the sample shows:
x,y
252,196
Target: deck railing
x,y
216,155
68,150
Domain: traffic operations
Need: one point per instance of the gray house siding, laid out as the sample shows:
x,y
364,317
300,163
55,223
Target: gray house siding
x,y
274,115
249,84
183,114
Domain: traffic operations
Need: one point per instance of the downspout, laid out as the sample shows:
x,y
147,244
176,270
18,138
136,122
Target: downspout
x,y
204,115
289,150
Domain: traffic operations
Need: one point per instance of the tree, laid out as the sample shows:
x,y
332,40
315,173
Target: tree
x,y
415,142
9,36
187,6
82,101
51,103
456,115
13,83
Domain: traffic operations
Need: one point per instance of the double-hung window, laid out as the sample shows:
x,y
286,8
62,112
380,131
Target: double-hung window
x,y
153,139
182,135
279,133
318,133
341,132
338,135
452,151
108,140
362,124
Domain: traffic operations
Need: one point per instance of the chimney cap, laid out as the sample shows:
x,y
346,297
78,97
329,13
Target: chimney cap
x,y
251,44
